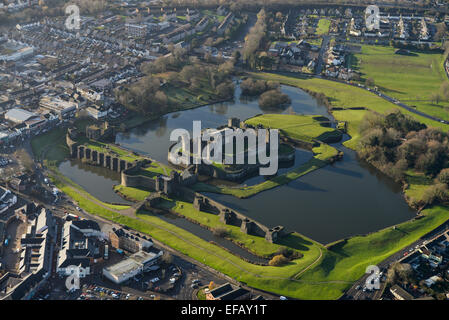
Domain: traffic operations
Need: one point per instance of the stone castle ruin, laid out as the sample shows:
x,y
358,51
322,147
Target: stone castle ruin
x,y
233,172
231,217
175,185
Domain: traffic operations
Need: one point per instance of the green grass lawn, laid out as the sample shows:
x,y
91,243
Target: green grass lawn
x,y
136,194
155,168
300,127
50,147
418,183
323,26
411,79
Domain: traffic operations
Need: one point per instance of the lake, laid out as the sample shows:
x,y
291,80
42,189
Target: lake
x,y
340,200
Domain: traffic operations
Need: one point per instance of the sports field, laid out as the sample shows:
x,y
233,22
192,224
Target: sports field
x,y
413,79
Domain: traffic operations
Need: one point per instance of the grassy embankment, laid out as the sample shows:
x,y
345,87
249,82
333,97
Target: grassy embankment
x,y
412,79
304,128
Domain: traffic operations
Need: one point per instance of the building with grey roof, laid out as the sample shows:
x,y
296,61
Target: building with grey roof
x,y
136,264
18,115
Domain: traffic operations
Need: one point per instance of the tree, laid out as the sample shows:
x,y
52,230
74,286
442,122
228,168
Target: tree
x,y
443,176
254,38
225,90
278,260
435,193
167,258
220,232
273,99
369,82
212,285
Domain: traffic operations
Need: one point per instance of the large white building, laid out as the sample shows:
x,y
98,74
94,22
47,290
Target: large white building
x,y
58,106
132,266
15,51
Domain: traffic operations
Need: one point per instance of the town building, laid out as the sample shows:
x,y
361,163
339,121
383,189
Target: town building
x,y
228,292
400,294
60,107
136,264
120,239
136,30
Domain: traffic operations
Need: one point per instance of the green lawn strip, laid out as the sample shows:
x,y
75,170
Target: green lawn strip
x,y
256,245
231,265
135,194
418,183
322,154
300,127
409,78
348,260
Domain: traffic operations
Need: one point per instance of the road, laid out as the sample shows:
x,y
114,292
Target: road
x,y
354,294
323,49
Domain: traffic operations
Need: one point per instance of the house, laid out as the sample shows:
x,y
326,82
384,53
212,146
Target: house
x,y
20,183
80,247
225,23
96,112
120,239
400,294
59,106
432,280
7,199
36,243
136,30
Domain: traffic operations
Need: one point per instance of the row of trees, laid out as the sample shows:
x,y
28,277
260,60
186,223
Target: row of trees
x,y
177,70
144,96
396,143
253,87
254,39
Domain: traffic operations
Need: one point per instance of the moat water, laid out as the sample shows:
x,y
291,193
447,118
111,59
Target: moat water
x,y
335,202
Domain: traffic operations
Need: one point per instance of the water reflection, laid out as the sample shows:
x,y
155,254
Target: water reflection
x,y
98,181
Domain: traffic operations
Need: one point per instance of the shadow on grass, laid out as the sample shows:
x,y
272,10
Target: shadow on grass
x,y
295,241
